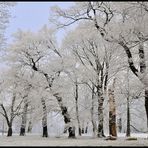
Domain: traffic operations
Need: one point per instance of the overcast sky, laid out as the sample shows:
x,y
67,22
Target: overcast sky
x,y
31,15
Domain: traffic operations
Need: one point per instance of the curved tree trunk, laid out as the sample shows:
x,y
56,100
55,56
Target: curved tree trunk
x,y
67,119
64,110
44,119
139,74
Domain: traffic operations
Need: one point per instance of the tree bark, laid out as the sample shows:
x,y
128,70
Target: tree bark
x,y
24,119
128,131
100,116
44,119
29,127
112,112
92,113
146,104
77,110
120,125
100,98
45,131
83,127
86,128
9,131
67,119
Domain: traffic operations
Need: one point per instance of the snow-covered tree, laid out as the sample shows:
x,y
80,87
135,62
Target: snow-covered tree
x,y
119,23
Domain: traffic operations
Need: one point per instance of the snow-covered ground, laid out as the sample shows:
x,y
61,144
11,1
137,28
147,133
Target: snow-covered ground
x,y
85,140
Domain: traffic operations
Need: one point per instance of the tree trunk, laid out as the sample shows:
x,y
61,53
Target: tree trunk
x,y
100,117
120,125
100,101
86,129
142,71
71,132
44,119
65,130
82,127
67,119
112,111
9,131
24,119
45,131
112,114
146,104
77,110
29,127
128,131
92,114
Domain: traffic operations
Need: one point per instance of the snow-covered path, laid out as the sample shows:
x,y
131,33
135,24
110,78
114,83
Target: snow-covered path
x,y
37,140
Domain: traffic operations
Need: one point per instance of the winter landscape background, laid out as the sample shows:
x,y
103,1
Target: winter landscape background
x,y
74,73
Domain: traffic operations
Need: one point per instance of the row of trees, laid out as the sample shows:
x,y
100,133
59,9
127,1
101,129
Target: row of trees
x,y
84,78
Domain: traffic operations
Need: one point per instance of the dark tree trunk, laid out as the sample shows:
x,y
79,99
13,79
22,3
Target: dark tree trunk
x,y
77,110
71,132
9,131
44,119
146,104
45,131
67,119
92,113
24,120
100,117
112,125
22,131
100,102
128,131
82,131
86,129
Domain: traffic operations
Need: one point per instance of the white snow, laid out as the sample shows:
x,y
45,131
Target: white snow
x,y
85,140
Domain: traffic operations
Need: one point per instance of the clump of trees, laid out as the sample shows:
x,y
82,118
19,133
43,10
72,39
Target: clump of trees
x,y
85,79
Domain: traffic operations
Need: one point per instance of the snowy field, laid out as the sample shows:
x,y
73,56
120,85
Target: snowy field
x,y
37,140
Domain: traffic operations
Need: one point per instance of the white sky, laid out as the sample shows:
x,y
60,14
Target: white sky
x,y
32,16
